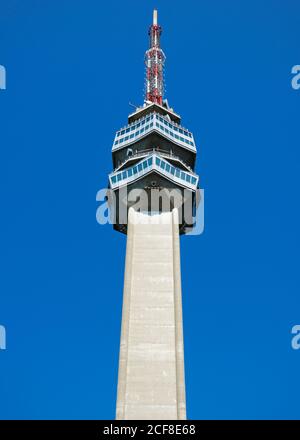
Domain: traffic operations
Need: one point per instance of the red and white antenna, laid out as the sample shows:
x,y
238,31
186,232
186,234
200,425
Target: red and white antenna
x,y
154,60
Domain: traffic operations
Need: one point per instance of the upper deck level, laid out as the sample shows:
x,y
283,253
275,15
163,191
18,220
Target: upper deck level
x,y
164,110
154,122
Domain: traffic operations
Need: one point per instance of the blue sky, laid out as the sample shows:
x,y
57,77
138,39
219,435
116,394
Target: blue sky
x,y
72,67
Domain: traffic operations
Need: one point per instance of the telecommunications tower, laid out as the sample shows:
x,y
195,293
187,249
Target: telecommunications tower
x,y
153,187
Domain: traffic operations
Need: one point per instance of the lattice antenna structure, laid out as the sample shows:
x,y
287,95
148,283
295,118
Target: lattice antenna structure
x,y
155,60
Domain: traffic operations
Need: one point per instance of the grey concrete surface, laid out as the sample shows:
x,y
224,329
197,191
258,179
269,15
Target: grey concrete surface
x,y
151,384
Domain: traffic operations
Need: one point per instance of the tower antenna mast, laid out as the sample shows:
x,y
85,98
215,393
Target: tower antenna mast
x,y
155,60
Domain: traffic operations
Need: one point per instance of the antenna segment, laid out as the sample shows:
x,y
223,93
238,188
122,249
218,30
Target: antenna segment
x,y
155,60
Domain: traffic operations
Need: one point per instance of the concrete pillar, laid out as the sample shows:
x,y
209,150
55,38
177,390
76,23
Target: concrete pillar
x,y
151,383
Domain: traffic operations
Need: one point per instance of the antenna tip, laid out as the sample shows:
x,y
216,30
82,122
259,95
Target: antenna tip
x,y
154,16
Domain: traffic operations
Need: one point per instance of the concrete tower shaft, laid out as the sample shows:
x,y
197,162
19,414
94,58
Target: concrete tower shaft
x,y
151,383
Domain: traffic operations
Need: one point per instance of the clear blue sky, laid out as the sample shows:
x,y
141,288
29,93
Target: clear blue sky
x,y
72,67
